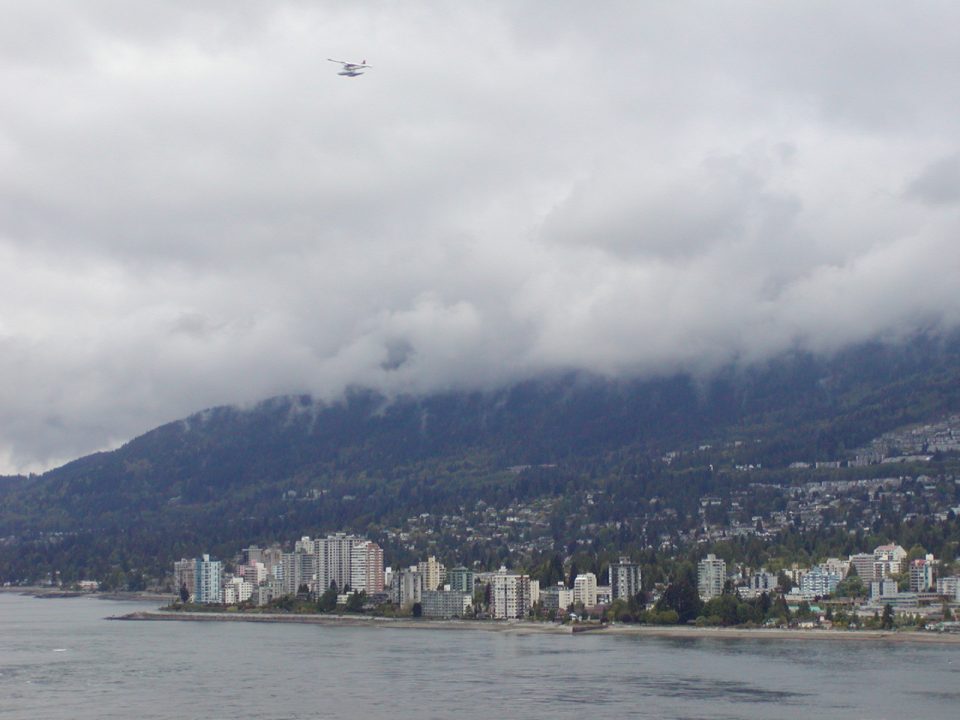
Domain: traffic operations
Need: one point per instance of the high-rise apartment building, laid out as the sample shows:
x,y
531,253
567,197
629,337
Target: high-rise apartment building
x,y
511,595
836,566
819,582
297,569
333,561
711,575
433,572
585,589
460,579
185,576
889,560
922,574
366,567
251,554
254,573
207,582
625,579
863,564
340,559
407,587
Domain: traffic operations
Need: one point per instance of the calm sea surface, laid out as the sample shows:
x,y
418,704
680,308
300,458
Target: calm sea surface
x,y
60,659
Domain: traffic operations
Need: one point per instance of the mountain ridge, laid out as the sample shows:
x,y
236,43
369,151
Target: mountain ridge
x,y
225,476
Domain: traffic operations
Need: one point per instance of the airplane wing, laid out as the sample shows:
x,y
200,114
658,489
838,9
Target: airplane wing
x,y
350,64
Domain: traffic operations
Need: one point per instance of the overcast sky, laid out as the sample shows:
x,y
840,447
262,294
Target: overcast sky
x,y
196,210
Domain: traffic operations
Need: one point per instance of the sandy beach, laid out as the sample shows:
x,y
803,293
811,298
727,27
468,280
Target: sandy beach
x,y
534,628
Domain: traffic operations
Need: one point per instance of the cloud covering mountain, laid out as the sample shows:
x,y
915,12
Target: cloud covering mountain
x,y
195,209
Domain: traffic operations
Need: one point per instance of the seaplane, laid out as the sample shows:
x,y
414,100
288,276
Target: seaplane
x,y
350,69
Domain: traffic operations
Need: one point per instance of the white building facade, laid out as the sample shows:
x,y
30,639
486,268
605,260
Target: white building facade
x,y
819,582
208,580
585,589
511,595
711,575
366,567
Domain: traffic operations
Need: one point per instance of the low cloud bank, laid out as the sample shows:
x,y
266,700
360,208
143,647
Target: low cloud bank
x,y
196,210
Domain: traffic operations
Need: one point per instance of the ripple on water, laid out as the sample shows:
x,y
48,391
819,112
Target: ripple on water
x,y
284,672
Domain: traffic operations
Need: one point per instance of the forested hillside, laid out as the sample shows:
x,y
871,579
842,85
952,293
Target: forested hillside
x,y
227,477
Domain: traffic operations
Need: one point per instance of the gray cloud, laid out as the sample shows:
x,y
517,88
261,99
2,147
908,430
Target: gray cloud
x,y
938,183
196,210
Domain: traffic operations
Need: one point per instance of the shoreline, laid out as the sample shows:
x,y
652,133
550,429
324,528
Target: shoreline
x,y
538,628
40,592
520,627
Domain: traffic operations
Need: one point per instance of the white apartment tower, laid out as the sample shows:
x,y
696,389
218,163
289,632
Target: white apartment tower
x,y
585,590
433,572
333,561
711,574
366,567
207,582
511,595
888,560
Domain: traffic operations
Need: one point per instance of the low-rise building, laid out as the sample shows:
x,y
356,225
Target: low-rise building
x,y
445,603
762,581
883,588
556,597
604,595
949,586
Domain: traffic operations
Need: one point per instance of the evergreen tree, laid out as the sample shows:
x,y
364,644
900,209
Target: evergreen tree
x,y
682,598
886,622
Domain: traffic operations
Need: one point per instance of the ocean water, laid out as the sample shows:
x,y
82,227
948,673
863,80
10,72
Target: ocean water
x,y
60,659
